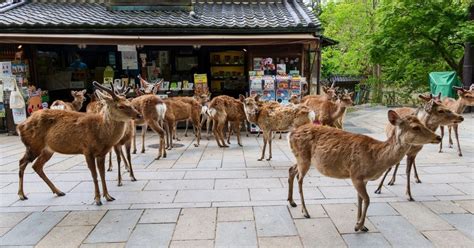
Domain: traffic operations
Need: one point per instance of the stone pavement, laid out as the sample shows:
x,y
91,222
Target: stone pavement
x,y
208,196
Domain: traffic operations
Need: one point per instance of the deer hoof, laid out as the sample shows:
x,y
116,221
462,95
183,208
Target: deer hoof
x,y
185,135
410,198
460,154
119,184
378,191
157,158
440,151
417,180
109,198
268,159
143,151
260,159
292,203
98,202
307,216
240,145
391,183
109,169
60,193
23,197
134,152
196,145
133,179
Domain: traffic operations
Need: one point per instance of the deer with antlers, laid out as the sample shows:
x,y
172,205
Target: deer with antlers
x,y
223,109
125,141
49,131
339,154
466,98
75,105
432,114
270,117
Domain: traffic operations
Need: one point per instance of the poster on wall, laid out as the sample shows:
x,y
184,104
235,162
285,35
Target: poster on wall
x,y
129,60
6,68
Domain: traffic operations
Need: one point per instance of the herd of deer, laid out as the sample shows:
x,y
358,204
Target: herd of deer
x,y
315,123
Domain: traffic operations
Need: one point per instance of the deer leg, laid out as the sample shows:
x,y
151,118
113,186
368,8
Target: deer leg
x,y
169,144
417,179
237,132
455,127
450,139
280,135
215,133
410,160
38,167
129,159
118,151
156,127
221,127
92,167
291,178
246,125
441,143
144,128
186,130
110,161
134,140
379,188
302,170
28,157
175,131
101,168
265,138
363,199
230,127
392,181
197,129
269,147
208,124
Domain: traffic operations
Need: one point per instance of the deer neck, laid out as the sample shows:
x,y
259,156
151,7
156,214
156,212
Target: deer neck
x,y
340,110
391,151
77,104
459,106
426,119
111,130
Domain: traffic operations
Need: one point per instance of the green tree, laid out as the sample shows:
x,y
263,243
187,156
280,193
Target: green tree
x,y
416,37
351,23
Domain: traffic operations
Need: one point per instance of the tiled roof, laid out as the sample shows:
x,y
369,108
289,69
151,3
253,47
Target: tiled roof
x,y
285,16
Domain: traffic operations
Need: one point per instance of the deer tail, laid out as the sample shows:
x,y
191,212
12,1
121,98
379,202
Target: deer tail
x,y
312,116
212,112
161,110
204,110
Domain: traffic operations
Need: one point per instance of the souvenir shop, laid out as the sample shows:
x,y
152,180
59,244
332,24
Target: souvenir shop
x,y
277,57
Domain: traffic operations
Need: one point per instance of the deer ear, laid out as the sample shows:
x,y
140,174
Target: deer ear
x,y
325,89
84,92
351,94
257,97
241,97
104,96
424,98
155,89
73,93
393,117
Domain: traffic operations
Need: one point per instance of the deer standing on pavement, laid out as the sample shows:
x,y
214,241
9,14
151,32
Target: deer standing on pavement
x,y
270,117
330,113
75,105
223,109
466,98
431,114
340,154
48,131
181,109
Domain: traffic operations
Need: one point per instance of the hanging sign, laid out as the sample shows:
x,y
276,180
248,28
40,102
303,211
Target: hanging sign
x,y
129,60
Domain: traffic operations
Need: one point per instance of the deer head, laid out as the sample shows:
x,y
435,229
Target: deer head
x,y
410,130
119,108
467,96
251,105
79,95
438,112
346,99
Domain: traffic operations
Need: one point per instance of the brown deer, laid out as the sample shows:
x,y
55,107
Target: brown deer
x,y
153,110
294,100
223,109
49,131
340,154
432,114
125,141
466,98
182,109
203,99
270,117
329,93
75,105
330,113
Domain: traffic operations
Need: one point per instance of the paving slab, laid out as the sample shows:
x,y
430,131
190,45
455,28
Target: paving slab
x,y
274,221
315,211
247,183
192,244
444,207
344,217
159,216
82,218
399,232
380,208
215,174
281,194
280,242
467,205
448,239
212,195
103,245
420,216
179,184
11,219
65,236
236,234
462,222
196,223
365,240
319,232
115,226
32,229
151,235
234,214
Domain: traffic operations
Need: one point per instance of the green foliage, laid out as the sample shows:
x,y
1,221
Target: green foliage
x,y
406,38
351,24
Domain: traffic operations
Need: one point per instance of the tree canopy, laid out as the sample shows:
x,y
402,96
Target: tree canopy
x,y
407,38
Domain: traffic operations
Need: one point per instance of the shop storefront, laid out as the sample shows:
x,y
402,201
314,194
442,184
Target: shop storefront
x,y
224,46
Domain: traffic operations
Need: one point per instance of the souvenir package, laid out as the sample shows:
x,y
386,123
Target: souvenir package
x,y
268,95
268,82
295,82
281,69
256,83
283,82
165,85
